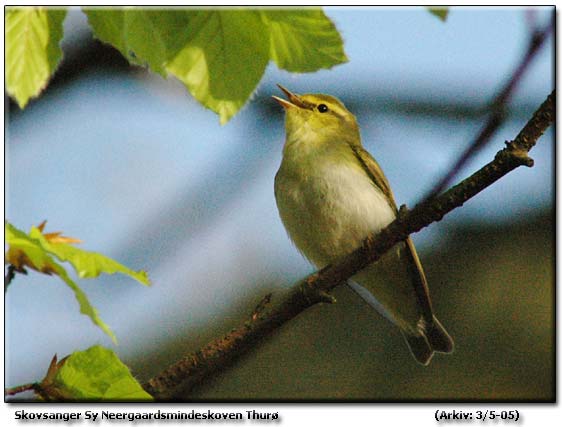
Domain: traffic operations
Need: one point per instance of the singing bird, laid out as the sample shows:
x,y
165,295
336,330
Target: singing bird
x,y
331,194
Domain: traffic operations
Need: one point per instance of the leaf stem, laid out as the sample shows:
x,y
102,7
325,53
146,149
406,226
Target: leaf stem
x,y
11,274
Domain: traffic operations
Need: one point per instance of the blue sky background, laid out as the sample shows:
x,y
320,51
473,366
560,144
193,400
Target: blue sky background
x,y
133,166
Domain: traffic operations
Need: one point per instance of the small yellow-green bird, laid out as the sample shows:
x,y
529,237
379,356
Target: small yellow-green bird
x,y
331,194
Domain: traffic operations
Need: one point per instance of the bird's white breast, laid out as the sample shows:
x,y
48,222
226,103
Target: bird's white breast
x,y
328,205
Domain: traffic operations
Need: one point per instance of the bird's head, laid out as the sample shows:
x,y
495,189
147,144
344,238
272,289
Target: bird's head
x,y
317,118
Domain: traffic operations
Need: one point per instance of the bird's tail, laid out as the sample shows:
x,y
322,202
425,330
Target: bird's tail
x,y
429,338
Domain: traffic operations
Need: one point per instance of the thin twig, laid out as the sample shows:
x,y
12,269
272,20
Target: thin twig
x,y
279,308
10,274
20,389
498,107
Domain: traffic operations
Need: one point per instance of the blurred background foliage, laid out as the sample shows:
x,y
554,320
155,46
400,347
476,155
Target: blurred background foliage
x,y
133,166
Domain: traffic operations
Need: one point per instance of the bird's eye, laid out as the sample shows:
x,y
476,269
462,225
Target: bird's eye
x,y
322,108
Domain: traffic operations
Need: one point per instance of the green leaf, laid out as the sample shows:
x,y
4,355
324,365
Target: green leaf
x,y
86,264
223,60
32,51
133,33
26,252
25,248
303,40
220,55
85,307
94,374
440,12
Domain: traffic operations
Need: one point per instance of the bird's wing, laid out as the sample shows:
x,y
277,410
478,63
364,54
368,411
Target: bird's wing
x,y
419,282
374,171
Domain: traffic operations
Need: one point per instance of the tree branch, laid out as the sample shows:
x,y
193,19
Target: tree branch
x,y
498,107
20,389
276,309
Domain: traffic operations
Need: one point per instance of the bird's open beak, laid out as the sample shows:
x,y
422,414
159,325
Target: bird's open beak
x,y
294,100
